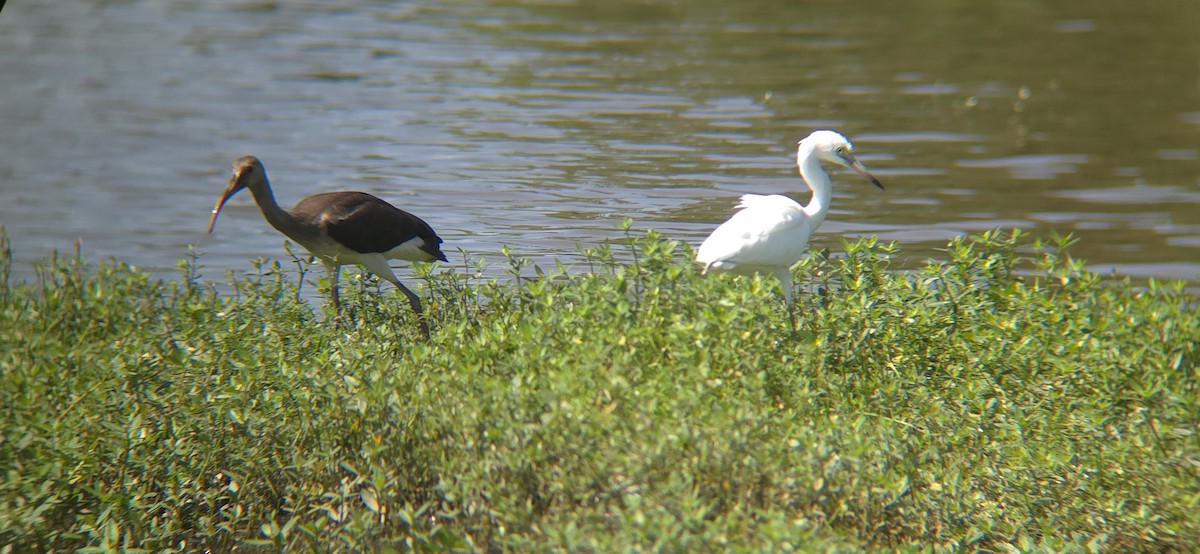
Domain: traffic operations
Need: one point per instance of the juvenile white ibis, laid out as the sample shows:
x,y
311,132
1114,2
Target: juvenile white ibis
x,y
769,234
342,228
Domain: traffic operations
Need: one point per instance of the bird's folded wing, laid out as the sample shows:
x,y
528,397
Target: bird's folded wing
x,y
374,226
765,231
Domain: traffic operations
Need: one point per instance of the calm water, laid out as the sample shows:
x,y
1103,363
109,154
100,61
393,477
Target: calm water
x,y
539,124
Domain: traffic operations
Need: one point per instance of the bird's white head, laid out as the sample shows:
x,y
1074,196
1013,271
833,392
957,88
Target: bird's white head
x,y
247,172
832,147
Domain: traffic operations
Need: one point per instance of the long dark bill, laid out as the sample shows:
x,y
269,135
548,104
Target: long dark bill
x,y
862,170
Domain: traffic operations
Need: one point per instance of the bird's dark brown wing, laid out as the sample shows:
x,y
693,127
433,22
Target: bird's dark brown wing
x,y
365,223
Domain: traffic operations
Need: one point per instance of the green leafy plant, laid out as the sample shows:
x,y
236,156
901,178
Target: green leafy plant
x,y
1002,398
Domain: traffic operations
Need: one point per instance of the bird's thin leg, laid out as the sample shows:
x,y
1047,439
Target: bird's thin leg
x,y
785,280
415,302
792,316
333,272
378,265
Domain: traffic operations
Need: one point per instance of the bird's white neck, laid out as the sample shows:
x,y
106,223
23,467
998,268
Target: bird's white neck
x,y
817,180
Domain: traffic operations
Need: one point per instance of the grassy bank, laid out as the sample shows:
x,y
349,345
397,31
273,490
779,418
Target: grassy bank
x,y
1000,399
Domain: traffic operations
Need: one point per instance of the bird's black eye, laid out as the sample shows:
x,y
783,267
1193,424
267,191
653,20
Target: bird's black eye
x,y
841,150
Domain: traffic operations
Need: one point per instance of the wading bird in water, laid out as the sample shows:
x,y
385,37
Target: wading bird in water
x,y
769,234
341,228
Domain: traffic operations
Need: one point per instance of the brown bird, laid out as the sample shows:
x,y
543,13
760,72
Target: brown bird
x,y
342,228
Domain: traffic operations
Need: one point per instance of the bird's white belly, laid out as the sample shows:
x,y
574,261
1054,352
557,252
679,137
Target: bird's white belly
x,y
328,249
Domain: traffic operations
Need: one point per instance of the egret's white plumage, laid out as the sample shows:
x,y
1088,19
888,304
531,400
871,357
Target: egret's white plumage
x,y
769,234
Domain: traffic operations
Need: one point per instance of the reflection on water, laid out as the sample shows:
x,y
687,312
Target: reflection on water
x,y
1138,194
539,125
1032,167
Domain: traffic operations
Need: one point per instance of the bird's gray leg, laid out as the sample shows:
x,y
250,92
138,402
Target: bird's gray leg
x,y
333,272
415,302
792,316
785,280
378,265
333,290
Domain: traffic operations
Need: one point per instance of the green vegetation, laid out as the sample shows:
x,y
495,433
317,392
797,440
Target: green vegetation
x,y
1001,399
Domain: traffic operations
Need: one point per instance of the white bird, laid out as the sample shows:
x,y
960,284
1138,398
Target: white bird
x,y
769,234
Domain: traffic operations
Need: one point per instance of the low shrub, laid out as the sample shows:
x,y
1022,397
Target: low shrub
x,y
1001,398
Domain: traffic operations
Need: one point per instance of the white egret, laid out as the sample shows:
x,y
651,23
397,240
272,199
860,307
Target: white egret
x,y
769,234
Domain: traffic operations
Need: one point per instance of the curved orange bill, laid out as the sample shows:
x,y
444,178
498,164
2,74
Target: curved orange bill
x,y
230,190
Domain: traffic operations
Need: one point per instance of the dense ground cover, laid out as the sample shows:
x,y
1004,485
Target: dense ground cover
x,y
1000,399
